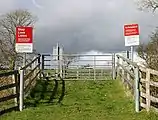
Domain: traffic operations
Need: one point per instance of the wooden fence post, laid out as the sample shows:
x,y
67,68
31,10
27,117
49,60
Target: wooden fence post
x,y
21,95
42,62
39,62
137,96
148,90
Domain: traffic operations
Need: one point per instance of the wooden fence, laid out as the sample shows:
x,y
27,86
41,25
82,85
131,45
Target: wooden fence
x,y
149,88
142,82
9,91
129,73
28,76
21,82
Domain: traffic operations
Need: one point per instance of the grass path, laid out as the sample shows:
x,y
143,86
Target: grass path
x,y
103,100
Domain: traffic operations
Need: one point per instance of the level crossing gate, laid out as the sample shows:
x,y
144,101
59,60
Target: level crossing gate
x,y
79,66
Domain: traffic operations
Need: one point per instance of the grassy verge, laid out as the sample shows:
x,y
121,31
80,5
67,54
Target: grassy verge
x,y
83,100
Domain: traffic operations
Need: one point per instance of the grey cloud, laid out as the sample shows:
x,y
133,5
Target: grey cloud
x,y
6,5
97,27
84,25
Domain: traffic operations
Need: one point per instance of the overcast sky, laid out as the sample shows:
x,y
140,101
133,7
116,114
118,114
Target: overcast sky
x,y
83,25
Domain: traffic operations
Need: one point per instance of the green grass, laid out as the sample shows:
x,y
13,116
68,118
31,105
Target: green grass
x,y
83,100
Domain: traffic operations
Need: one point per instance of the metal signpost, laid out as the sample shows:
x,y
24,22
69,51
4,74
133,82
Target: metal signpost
x,y
131,34
24,44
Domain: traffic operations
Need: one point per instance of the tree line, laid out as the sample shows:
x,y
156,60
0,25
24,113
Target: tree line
x,y
149,51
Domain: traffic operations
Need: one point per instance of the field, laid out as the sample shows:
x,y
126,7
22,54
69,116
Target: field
x,y
83,100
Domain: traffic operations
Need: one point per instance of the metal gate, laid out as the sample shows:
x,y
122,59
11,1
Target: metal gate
x,y
80,66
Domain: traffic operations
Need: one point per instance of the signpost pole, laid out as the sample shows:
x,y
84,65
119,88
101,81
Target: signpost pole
x,y
132,50
24,60
131,33
128,55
